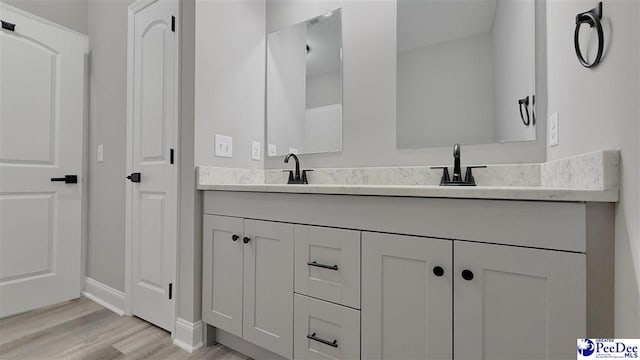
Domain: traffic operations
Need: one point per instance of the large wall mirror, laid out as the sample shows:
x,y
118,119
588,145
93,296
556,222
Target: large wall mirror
x,y
465,72
304,87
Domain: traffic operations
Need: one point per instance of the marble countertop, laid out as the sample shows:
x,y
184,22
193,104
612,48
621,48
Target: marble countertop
x,y
537,193
590,177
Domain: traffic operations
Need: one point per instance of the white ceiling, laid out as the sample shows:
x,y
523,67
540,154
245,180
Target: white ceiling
x,y
427,22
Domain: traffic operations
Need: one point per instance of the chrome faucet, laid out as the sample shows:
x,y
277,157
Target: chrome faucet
x,y
296,178
456,178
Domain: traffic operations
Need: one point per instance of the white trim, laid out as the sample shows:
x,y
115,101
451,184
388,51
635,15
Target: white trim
x,y
134,8
104,295
129,155
188,335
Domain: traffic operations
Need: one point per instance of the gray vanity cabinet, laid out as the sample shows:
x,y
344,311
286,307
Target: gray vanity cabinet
x,y
406,297
248,280
503,297
513,302
509,284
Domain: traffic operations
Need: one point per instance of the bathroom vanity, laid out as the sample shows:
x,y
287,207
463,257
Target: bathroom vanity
x,y
419,272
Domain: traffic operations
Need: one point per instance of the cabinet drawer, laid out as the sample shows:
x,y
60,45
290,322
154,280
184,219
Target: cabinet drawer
x,y
325,331
327,264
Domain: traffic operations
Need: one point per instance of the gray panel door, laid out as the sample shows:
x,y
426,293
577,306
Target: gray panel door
x,y
222,273
520,304
268,286
406,305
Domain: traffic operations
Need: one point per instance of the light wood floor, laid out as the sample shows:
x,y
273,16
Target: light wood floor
x,y
82,329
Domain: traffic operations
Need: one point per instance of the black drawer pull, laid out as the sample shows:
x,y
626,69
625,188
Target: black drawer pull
x,y
68,179
324,266
313,337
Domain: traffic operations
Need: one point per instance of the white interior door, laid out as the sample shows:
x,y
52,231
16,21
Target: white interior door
x,y
42,86
153,136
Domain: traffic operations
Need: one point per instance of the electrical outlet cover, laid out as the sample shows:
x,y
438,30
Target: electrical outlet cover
x,y
224,146
273,150
293,151
255,150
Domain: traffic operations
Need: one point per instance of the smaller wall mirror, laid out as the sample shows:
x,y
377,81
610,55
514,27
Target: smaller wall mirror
x,y
304,87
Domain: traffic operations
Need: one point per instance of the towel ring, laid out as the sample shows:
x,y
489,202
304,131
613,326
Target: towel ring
x,y
525,102
591,17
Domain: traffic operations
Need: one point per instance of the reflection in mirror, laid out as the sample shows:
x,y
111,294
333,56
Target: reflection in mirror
x,y
465,72
304,87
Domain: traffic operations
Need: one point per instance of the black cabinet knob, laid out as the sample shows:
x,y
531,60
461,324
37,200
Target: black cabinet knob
x,y
235,237
467,274
438,271
246,240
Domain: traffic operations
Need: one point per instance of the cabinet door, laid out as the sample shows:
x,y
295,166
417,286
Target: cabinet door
x,y
222,273
406,299
268,286
517,303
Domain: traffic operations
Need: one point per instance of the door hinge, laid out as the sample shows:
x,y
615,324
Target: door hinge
x,y
171,154
170,291
173,23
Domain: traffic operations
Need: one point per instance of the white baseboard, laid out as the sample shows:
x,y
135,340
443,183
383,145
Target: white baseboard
x,y
104,295
188,335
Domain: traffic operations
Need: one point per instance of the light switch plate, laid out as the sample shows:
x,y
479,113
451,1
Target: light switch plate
x,y
293,151
255,150
554,130
224,146
100,153
273,150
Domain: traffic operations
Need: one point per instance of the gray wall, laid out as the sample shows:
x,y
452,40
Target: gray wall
x,y
107,126
445,93
598,109
369,135
189,241
286,81
229,79
513,64
69,13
